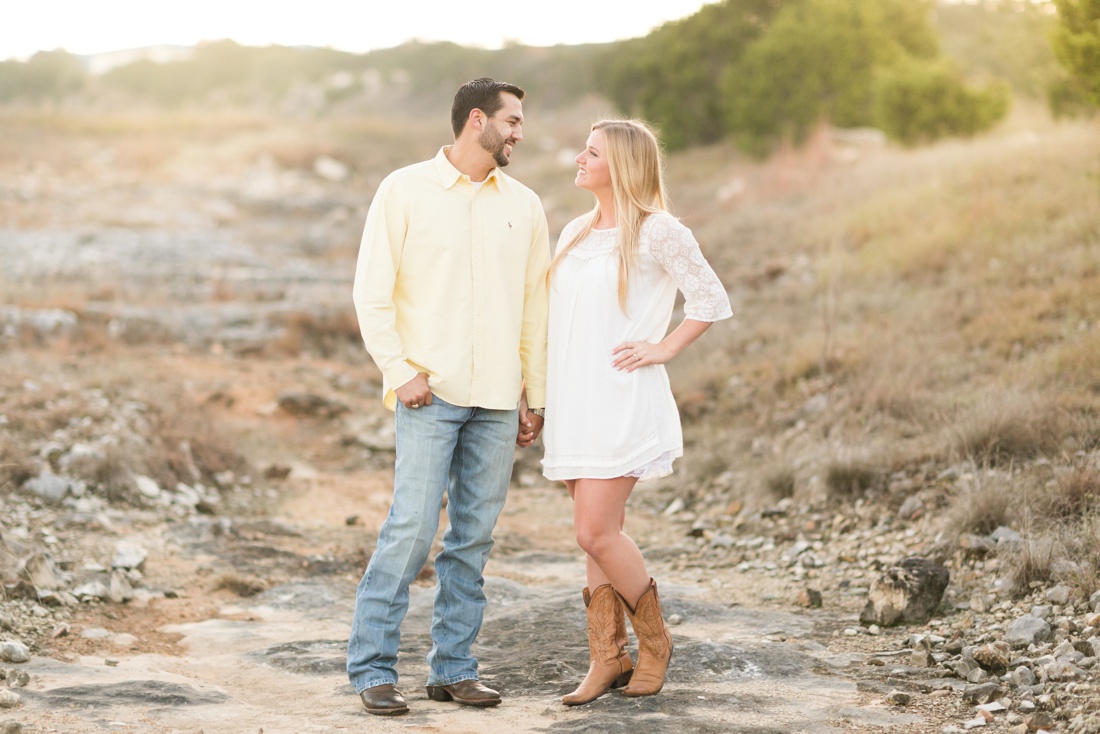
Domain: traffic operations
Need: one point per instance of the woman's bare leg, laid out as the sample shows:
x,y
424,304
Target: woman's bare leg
x,y
599,513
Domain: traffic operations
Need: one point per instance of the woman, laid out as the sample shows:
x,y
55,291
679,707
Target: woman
x,y
611,420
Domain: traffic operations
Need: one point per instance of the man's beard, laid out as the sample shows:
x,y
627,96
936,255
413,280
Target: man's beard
x,y
493,142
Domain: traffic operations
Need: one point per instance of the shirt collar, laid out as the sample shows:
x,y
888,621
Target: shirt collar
x,y
449,175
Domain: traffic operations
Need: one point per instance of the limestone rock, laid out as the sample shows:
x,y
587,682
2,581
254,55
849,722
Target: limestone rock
x,y
1027,630
1022,676
993,658
49,487
18,678
128,555
982,693
39,571
14,651
809,598
910,591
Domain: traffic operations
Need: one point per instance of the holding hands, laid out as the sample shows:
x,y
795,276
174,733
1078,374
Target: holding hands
x,y
530,426
530,423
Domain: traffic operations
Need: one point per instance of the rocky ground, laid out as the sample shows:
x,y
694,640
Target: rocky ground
x,y
195,463
201,607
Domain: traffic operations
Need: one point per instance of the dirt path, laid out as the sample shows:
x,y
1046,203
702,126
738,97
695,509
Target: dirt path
x,y
218,663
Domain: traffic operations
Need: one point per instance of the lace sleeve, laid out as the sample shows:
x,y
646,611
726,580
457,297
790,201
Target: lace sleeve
x,y
674,248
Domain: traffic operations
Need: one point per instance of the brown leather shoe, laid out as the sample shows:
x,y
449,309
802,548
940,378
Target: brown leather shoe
x,y
468,692
384,700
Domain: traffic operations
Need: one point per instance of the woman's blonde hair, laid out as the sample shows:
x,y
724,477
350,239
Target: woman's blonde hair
x,y
637,181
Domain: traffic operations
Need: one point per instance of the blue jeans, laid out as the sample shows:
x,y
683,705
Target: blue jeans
x,y
468,452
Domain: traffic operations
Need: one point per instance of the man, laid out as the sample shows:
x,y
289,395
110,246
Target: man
x,y
450,291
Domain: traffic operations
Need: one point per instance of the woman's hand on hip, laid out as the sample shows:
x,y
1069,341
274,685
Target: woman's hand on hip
x,y
629,356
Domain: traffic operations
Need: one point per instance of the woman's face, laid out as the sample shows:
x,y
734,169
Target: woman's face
x,y
594,173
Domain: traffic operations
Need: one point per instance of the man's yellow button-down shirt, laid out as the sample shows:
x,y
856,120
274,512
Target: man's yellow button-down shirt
x,y
451,281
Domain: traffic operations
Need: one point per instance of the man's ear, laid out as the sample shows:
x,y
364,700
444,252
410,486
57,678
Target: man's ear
x,y
476,119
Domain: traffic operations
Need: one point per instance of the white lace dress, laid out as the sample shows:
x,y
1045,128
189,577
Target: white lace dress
x,y
602,423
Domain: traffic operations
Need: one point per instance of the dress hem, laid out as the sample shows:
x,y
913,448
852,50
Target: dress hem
x,y
563,473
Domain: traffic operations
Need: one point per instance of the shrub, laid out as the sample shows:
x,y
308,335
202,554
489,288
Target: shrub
x,y
981,509
1009,426
240,585
849,479
1076,43
1081,550
1032,563
780,482
918,102
1071,497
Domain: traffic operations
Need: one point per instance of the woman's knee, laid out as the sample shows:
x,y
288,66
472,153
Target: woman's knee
x,y
595,539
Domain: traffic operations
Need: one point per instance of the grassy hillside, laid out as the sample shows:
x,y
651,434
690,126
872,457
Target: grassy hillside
x,y
907,323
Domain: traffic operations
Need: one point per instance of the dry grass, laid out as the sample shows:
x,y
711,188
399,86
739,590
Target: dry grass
x,y
1067,553
1004,426
941,303
240,585
987,502
779,482
15,466
847,480
327,334
1058,515
1032,563
1073,496
1073,368
1080,551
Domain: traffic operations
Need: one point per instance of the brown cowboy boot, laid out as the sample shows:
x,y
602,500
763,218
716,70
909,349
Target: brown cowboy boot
x,y
654,644
609,666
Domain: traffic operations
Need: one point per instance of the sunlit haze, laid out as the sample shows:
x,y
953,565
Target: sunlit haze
x,y
83,27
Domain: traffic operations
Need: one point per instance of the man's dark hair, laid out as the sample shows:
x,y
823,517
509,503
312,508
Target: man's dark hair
x,y
480,94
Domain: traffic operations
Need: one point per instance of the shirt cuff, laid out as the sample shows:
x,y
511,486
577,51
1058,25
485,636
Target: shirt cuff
x,y
536,398
399,375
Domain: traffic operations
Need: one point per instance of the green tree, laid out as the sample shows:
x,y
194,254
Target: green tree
x,y
817,62
1076,41
671,77
46,75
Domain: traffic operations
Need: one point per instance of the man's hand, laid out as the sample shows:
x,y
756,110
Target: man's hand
x,y
415,393
530,426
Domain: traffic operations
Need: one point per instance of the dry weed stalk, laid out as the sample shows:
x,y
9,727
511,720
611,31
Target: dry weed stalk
x,y
984,505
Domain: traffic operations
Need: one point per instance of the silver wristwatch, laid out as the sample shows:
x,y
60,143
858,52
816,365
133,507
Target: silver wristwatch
x,y
540,412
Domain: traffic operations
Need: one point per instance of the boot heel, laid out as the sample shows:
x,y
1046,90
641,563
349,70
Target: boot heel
x,y
623,679
439,693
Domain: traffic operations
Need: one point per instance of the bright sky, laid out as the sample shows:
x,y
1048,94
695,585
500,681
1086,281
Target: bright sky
x,y
94,26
